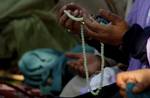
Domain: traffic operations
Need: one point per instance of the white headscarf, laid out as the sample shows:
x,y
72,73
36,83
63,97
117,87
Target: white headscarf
x,y
148,50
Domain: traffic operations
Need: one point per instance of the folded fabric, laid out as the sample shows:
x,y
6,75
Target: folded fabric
x,y
109,74
40,66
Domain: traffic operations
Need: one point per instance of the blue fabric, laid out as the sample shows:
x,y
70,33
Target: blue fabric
x,y
135,64
78,49
40,65
130,94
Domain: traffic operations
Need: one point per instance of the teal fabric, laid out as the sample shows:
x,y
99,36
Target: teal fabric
x,y
130,94
40,65
78,49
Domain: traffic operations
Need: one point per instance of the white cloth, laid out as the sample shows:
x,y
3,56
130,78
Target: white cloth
x,y
77,85
109,74
148,50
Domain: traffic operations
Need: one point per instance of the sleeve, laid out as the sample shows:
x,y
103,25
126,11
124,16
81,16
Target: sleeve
x,y
134,42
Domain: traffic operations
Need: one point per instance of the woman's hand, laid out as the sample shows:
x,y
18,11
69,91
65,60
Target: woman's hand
x,y
141,79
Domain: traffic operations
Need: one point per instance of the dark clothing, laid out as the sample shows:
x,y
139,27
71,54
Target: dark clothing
x,y
106,92
134,42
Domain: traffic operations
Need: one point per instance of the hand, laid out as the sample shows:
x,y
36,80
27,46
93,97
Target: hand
x,y
111,33
77,64
140,77
68,23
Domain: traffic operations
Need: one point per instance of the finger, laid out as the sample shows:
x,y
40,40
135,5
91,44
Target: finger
x,y
79,63
81,68
92,34
70,63
73,55
69,6
76,68
94,25
76,27
81,13
121,80
81,59
100,36
63,20
139,87
82,72
130,80
72,66
109,16
70,22
76,13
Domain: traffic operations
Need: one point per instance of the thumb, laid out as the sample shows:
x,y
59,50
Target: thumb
x,y
109,16
139,87
93,24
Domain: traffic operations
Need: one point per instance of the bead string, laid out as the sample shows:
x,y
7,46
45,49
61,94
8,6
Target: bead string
x,y
85,57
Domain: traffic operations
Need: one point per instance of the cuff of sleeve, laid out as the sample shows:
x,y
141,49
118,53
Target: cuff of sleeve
x,y
131,37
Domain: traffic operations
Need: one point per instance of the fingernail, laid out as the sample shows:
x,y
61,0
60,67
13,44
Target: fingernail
x,y
76,12
80,11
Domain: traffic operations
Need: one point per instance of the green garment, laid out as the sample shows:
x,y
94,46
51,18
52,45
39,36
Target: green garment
x,y
116,6
29,24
